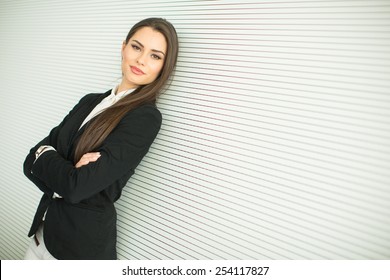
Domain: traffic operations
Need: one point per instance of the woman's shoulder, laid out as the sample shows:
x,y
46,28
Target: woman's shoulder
x,y
146,111
89,99
149,109
94,96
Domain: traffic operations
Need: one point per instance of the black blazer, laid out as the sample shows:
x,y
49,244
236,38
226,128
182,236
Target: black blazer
x,y
82,225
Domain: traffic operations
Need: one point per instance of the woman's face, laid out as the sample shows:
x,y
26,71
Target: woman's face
x,y
142,58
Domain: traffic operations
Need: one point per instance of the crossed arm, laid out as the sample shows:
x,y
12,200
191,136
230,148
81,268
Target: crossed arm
x,y
120,154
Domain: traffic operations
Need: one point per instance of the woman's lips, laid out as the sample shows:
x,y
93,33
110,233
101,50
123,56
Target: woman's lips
x,y
136,70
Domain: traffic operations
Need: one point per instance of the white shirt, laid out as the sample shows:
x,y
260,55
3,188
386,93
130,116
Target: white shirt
x,y
107,102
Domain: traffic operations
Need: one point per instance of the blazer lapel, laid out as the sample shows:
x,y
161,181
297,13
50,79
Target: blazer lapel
x,y
76,130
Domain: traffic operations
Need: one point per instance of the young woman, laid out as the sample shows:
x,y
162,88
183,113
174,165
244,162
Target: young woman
x,y
83,164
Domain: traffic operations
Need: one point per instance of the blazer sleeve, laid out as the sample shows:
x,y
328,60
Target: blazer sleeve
x,y
121,152
50,140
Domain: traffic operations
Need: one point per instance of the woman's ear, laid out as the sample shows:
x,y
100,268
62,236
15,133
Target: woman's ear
x,y
123,48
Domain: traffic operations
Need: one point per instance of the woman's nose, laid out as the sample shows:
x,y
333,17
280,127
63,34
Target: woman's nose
x,y
141,59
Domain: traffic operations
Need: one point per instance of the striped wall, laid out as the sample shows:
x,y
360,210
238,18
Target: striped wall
x,y
275,138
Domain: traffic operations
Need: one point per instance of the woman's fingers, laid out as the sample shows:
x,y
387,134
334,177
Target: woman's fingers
x,y
87,158
91,156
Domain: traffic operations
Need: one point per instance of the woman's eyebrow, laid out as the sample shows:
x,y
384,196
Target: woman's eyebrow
x,y
152,49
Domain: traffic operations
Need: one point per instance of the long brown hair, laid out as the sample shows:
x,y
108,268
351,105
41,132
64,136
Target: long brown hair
x,y
102,125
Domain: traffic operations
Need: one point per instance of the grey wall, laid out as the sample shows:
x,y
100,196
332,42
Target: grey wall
x,y
275,139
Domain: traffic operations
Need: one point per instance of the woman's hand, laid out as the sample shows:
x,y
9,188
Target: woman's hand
x,y
87,158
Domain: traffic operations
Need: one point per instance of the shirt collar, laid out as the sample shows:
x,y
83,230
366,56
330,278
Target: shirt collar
x,y
121,94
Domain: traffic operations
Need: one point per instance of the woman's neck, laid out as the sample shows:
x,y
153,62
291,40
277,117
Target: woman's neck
x,y
123,87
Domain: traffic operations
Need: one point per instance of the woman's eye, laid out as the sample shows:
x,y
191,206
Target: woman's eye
x,y
156,56
135,47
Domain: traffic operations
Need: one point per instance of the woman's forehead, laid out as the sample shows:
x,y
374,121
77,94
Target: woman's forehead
x,y
150,38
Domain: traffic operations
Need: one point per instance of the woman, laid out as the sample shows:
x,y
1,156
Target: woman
x,y
83,164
